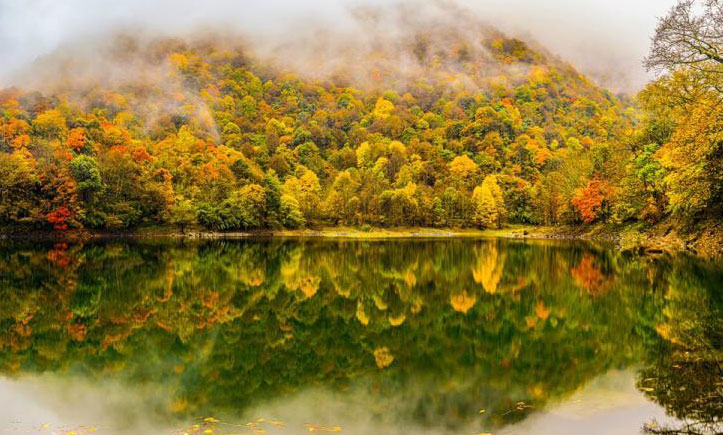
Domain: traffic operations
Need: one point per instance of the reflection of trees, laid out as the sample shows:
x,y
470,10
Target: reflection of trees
x,y
453,326
686,376
489,267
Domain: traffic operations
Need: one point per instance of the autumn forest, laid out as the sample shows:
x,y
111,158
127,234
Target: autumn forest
x,y
459,127
361,216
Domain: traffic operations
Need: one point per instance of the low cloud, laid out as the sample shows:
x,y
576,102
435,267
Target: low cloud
x,y
606,40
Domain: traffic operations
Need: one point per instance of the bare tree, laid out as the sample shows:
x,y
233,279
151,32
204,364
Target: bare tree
x,y
686,38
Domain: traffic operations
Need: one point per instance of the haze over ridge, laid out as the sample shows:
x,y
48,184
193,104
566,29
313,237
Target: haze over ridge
x,y
606,41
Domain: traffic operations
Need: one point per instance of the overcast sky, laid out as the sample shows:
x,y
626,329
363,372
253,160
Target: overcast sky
x,y
606,39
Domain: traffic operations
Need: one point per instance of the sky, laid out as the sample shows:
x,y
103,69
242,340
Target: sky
x,y
606,39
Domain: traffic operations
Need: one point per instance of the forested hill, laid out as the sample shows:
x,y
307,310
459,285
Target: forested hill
x,y
460,126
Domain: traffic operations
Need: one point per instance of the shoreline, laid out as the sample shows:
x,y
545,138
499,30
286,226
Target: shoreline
x,y
651,241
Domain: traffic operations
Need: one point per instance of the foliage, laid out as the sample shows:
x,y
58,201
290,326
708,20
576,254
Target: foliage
x,y
402,155
410,150
591,199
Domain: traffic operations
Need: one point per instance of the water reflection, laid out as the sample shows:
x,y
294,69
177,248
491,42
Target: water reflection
x,y
439,335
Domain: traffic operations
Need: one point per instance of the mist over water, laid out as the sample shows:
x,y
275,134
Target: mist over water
x,y
605,40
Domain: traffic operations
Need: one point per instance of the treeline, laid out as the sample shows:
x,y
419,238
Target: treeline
x,y
221,140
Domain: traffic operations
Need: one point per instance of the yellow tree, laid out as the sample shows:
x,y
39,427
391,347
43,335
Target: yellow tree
x,y
693,160
491,182
305,190
462,170
485,208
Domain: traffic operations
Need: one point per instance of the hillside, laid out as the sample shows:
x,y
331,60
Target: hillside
x,y
443,128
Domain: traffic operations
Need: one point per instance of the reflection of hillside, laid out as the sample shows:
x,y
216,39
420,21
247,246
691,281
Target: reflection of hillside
x,y
474,324
687,374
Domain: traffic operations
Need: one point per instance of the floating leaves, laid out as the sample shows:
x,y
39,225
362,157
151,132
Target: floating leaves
x,y
317,428
519,406
211,425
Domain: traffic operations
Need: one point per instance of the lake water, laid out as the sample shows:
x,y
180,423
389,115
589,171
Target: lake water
x,y
444,336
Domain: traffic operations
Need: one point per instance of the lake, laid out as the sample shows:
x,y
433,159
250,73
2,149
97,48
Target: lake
x,y
423,336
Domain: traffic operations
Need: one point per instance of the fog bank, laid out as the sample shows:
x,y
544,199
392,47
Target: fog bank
x,y
606,40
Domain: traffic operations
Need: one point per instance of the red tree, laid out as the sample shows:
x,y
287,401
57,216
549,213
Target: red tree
x,y
589,199
59,218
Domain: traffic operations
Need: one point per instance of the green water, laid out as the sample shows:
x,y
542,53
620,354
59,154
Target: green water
x,y
412,336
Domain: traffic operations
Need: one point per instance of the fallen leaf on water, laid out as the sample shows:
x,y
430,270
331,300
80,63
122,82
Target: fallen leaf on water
x,y
316,428
522,405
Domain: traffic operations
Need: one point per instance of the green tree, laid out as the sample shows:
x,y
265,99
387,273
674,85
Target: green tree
x,y
291,215
86,173
182,213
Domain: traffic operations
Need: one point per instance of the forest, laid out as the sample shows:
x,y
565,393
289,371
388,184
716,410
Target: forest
x,y
474,129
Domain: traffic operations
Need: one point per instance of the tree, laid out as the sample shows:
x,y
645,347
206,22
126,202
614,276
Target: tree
x,y
694,160
684,39
291,215
86,174
272,192
462,169
491,182
50,124
305,190
687,105
18,181
182,213
59,218
342,201
485,207
77,139
383,108
590,200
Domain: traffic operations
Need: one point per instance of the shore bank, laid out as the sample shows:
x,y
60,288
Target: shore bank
x,y
655,240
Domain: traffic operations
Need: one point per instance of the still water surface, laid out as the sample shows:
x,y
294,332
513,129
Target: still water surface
x,y
360,337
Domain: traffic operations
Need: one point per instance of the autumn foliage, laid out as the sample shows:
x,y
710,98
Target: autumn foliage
x,y
590,199
479,134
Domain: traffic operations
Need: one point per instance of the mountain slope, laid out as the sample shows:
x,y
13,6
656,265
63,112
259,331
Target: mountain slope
x,y
437,124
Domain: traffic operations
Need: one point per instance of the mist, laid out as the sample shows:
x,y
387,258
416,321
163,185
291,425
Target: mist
x,y
605,40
